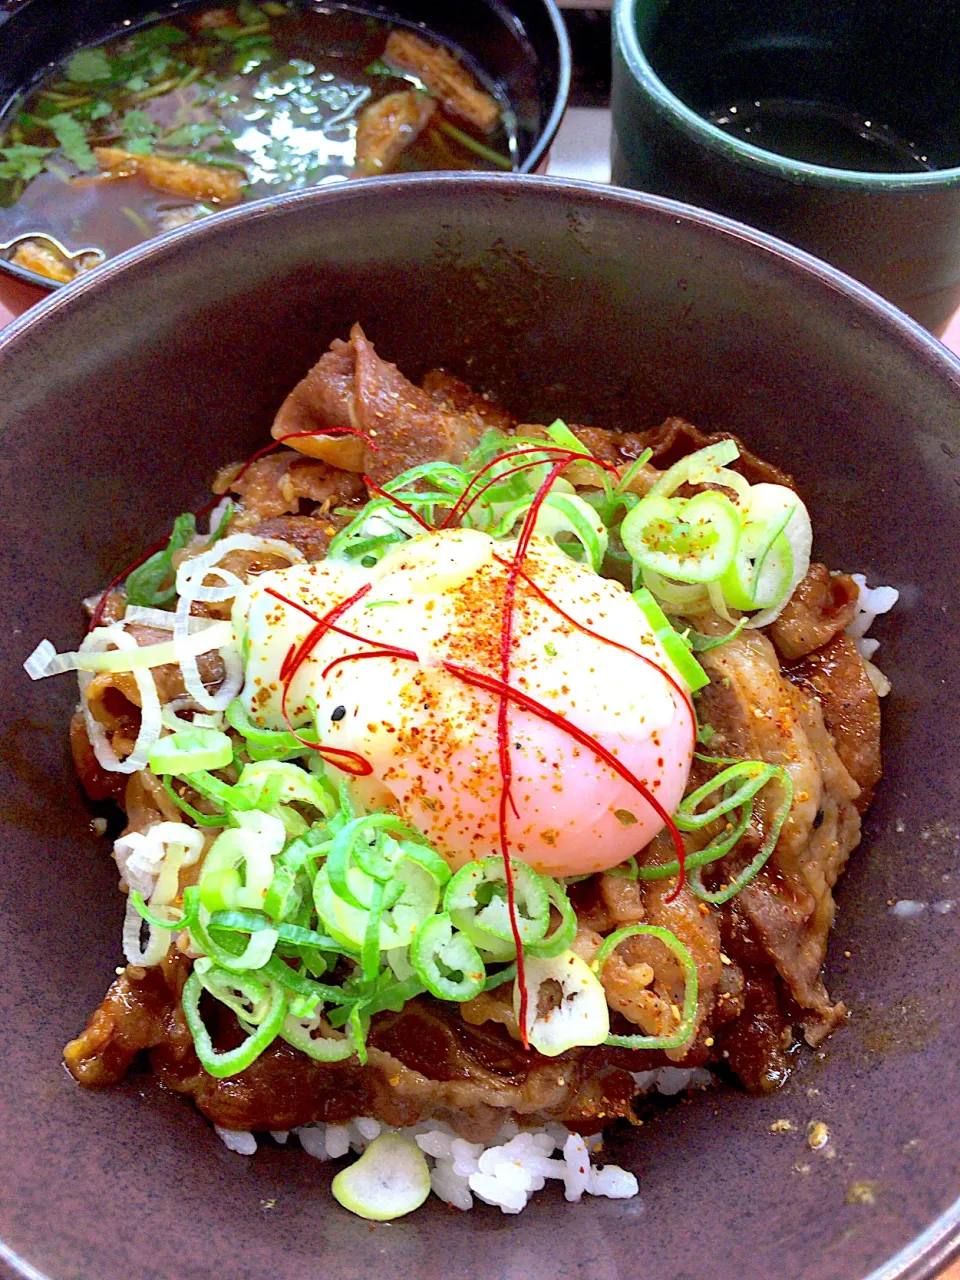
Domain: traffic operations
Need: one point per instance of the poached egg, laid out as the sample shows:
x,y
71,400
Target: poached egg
x,y
431,739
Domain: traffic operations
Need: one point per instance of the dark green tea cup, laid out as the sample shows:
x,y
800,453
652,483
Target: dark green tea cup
x,y
835,126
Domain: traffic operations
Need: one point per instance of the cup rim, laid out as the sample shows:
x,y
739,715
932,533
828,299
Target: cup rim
x,y
770,163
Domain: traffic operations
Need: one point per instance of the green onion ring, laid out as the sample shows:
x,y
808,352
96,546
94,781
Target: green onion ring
x,y
370,951
201,819
565,932
688,1015
233,1061
436,948
756,864
321,1049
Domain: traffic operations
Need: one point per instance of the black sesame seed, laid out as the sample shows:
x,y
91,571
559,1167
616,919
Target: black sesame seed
x,y
818,819
338,713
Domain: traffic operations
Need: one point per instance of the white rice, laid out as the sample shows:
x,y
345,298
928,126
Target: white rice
x,y
871,602
907,907
245,1144
505,1172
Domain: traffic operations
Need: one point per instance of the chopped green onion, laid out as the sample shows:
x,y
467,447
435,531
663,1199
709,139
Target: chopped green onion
x,y
190,749
473,901
392,996
755,865
201,819
353,843
370,950
628,870
635,467
264,744
563,935
447,963
219,889
701,467
689,539
500,977
704,644
688,1015
271,782
232,1061
419,896
471,144
300,1033
389,1180
562,516
748,775
187,916
689,670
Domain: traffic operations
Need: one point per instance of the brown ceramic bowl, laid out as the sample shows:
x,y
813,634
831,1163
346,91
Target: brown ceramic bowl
x,y
121,395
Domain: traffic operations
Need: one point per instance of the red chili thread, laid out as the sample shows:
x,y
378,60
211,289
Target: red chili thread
x,y
349,761
382,493
302,435
387,652
348,635
606,640
493,685
462,504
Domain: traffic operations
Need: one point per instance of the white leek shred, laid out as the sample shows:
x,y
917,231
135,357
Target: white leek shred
x,y
36,665
156,946
798,532
161,619
150,713
184,655
190,587
581,1018
126,657
191,573
173,721
150,863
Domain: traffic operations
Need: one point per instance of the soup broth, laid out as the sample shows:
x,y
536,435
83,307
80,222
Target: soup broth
x,y
211,107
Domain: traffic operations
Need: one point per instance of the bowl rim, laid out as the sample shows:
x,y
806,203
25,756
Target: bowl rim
x,y
938,1243
626,41
538,152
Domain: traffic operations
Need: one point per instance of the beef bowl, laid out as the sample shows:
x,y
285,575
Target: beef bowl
x,y
121,121
776,1120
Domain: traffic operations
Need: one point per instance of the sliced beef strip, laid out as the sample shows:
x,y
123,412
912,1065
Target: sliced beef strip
x,y
276,485
105,687
851,708
350,386
309,534
424,1062
759,715
821,607
97,782
672,440
455,396
324,400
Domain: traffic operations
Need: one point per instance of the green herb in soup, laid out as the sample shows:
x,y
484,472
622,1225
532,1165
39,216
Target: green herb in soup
x,y
219,105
